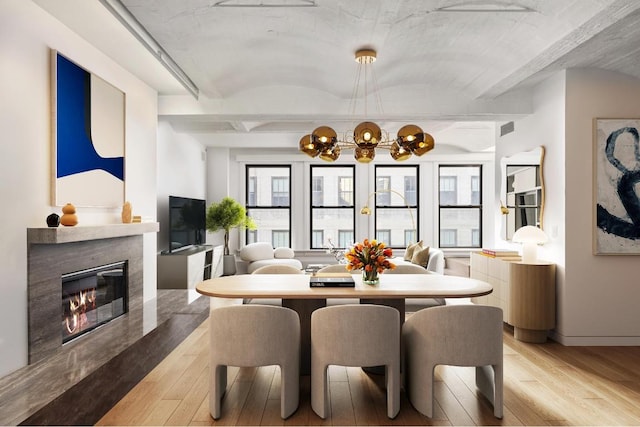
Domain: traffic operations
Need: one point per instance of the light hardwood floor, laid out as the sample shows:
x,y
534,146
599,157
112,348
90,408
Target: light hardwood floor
x,y
545,384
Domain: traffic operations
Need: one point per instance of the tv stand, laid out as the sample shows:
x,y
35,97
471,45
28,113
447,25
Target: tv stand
x,y
185,268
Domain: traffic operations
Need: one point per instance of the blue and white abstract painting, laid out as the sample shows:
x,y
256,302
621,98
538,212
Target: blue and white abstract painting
x,y
89,137
617,162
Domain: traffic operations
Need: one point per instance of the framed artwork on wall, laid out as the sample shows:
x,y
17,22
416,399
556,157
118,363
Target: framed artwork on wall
x,y
88,127
617,186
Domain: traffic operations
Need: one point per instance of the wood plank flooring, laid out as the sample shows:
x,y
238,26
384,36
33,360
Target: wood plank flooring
x,y
546,384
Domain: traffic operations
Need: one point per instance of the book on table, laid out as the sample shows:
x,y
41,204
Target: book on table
x,y
332,280
500,253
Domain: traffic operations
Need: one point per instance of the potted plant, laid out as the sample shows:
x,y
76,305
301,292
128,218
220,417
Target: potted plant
x,y
226,215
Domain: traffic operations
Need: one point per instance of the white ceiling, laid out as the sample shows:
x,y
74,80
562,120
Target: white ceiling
x,y
277,66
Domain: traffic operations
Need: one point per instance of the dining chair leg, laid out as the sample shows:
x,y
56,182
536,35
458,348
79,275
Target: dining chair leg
x,y
290,389
218,388
319,390
392,376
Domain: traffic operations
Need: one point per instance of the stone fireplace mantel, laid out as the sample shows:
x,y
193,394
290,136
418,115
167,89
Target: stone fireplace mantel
x,y
53,252
56,235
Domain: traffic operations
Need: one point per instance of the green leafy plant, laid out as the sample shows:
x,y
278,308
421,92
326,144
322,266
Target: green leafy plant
x,y
226,215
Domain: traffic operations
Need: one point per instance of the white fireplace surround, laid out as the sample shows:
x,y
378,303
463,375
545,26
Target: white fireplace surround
x,y
53,252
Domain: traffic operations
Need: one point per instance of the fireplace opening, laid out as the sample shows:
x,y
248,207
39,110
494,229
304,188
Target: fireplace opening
x,y
92,297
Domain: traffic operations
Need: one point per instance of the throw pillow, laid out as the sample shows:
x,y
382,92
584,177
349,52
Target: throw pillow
x,y
283,253
256,251
408,253
421,256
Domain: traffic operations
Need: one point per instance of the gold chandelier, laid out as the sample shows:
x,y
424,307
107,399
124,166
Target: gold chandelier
x,y
323,142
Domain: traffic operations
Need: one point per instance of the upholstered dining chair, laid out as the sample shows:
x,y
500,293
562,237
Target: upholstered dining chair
x,y
459,335
255,335
272,269
408,269
333,268
355,335
277,269
414,304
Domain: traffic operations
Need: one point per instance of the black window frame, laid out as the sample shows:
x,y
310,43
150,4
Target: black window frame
x,y
415,208
340,206
256,206
445,207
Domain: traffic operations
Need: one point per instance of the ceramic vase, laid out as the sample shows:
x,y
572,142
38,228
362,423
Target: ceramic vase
x,y
69,217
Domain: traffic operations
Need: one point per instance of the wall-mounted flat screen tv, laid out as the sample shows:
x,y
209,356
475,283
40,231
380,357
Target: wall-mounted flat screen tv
x,y
187,219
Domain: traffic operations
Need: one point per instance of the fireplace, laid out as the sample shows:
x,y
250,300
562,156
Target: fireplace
x,y
56,252
92,297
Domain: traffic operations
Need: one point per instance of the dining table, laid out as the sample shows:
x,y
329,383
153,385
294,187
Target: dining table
x,y
296,293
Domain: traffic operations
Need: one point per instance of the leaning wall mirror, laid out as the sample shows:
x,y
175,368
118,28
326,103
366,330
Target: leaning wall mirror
x,y
522,190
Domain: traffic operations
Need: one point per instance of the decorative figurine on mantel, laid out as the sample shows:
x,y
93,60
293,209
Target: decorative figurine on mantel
x,y
53,220
126,213
69,217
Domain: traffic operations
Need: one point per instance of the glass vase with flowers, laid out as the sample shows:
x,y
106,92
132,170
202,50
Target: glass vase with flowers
x,y
372,257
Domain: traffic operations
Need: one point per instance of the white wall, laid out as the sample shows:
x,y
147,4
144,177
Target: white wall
x,y
181,172
600,301
596,295
26,35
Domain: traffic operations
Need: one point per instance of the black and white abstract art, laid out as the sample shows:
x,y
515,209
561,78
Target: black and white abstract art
x,y
617,182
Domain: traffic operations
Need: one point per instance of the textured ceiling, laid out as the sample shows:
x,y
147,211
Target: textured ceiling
x,y
287,65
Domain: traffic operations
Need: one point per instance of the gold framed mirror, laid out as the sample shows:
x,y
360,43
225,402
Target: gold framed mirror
x,y
522,191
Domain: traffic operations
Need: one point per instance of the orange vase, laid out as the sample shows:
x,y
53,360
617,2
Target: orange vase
x,y
69,217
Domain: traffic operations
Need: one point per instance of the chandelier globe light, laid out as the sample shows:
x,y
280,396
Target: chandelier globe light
x,y
367,136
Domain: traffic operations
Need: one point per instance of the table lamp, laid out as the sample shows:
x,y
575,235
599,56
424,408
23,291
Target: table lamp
x,y
530,237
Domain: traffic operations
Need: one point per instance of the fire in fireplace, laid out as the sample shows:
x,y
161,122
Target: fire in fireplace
x,y
92,297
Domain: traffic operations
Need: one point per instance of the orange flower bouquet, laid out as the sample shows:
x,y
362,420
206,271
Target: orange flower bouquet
x,y
371,257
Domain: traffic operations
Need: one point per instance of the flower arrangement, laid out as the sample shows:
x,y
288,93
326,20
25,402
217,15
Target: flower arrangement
x,y
372,257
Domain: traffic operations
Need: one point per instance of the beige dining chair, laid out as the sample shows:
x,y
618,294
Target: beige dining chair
x,y
272,269
414,304
355,335
460,335
255,335
333,268
277,269
408,269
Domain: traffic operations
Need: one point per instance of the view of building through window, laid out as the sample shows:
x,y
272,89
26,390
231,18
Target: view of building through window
x,y
269,204
460,206
332,206
396,205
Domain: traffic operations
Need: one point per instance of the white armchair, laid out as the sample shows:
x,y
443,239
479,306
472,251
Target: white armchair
x,y
259,254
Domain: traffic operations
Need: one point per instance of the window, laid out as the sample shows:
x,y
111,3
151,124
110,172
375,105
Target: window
x,y
460,206
411,190
475,237
410,237
448,190
280,238
345,190
383,235
317,239
448,238
383,193
251,191
279,191
475,190
345,238
317,190
396,215
269,204
332,207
